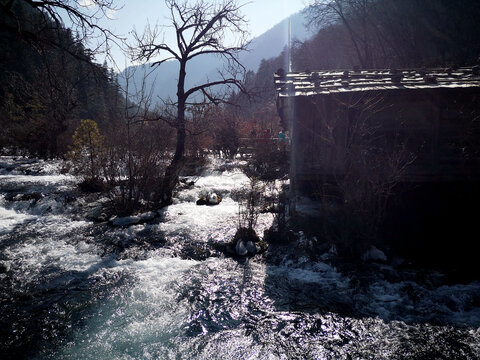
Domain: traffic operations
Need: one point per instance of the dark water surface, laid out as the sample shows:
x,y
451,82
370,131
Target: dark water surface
x,y
73,289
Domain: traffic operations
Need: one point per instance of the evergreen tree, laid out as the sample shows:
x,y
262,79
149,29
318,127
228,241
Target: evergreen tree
x,y
86,151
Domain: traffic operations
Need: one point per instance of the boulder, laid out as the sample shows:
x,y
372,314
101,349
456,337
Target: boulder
x,y
4,267
240,248
96,210
147,216
213,199
246,234
95,213
331,252
247,243
208,198
251,248
103,217
202,201
133,220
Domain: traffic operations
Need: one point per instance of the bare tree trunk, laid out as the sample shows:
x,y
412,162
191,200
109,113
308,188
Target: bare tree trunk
x,y
201,29
172,172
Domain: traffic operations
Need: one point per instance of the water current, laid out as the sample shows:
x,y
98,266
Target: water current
x,y
71,288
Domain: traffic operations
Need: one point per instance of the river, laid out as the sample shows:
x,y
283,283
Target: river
x,y
76,289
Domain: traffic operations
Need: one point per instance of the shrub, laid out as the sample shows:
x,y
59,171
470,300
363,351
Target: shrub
x,y
86,151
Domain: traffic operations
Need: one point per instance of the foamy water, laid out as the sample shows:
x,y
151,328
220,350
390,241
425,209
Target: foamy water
x,y
73,291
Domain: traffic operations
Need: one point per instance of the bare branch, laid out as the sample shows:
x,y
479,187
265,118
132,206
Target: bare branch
x,y
201,28
85,21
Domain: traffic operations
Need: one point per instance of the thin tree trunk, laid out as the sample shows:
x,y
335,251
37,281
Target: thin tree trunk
x,y
172,172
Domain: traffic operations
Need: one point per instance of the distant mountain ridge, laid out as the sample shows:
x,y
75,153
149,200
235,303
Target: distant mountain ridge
x,y
269,44
272,42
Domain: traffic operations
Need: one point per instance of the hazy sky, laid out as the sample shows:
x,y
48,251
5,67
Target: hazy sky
x,y
262,15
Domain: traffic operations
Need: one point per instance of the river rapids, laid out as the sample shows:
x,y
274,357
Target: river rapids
x,y
71,288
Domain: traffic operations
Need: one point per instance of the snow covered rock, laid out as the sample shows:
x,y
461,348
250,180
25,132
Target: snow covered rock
x,y
247,243
213,199
208,198
133,220
147,216
97,210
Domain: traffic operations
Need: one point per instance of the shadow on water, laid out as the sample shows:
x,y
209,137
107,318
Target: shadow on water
x,y
358,311
433,225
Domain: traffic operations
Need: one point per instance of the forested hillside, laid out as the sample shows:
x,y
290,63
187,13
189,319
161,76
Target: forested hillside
x,y
48,82
391,33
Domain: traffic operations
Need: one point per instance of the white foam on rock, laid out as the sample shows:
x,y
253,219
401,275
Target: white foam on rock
x,y
9,218
219,183
49,248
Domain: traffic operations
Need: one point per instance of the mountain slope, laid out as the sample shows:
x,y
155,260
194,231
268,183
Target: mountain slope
x,y
272,42
164,78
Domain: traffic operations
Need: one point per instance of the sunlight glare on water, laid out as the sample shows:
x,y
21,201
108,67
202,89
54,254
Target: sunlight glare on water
x,y
73,289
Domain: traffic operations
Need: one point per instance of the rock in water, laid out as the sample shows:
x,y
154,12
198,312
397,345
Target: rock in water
x,y
147,216
95,213
208,198
251,248
240,248
214,199
202,201
126,221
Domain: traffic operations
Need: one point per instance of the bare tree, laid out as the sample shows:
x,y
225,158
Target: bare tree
x,y
138,153
355,16
201,28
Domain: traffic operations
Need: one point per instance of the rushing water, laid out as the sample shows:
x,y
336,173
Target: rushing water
x,y
74,289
